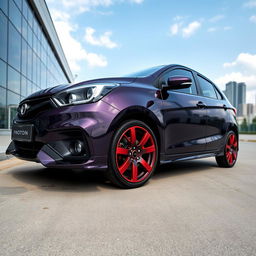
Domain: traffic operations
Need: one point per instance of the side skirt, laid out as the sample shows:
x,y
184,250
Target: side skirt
x,y
176,158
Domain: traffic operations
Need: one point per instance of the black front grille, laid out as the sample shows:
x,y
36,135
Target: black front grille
x,y
35,106
28,149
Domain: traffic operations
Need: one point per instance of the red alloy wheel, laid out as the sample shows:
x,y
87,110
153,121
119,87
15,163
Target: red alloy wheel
x,y
231,149
135,154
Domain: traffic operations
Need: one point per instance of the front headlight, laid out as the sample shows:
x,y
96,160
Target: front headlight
x,y
83,94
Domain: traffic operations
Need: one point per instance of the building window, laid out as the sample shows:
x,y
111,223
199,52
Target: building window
x,y
15,15
2,74
14,49
3,118
27,61
4,6
13,80
12,103
3,33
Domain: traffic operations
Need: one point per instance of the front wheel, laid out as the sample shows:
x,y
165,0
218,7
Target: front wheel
x,y
133,155
230,151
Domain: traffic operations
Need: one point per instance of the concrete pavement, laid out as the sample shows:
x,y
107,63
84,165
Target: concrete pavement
x,y
188,208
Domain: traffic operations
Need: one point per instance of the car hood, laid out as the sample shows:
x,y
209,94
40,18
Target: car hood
x,y
52,90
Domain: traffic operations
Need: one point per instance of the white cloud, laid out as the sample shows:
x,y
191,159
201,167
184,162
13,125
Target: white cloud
x,y
103,40
191,29
186,31
212,29
216,18
227,28
240,77
73,49
253,18
250,4
137,1
246,65
250,80
174,29
244,60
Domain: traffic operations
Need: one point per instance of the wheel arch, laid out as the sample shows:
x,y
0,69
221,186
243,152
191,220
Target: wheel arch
x,y
142,114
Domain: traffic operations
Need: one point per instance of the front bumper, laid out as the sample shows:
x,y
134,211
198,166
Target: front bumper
x,y
56,129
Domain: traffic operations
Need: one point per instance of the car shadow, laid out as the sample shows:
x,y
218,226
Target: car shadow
x,y
183,167
94,180
51,179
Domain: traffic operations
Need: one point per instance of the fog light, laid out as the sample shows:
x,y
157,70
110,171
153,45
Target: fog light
x,y
76,147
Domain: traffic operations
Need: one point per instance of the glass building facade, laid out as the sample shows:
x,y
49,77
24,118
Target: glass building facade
x,y
28,59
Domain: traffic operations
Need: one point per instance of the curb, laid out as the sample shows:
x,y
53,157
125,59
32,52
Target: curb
x,y
243,140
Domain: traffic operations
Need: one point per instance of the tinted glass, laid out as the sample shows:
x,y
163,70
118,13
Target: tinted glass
x,y
13,100
34,67
207,88
3,34
25,9
13,80
24,60
4,6
2,73
218,94
14,51
183,73
30,17
3,117
24,28
18,3
23,86
145,72
15,15
29,87
29,64
30,36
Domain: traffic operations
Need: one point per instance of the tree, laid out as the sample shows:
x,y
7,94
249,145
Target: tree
x,y
244,126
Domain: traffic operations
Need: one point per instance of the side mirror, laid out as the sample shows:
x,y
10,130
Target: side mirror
x,y
178,82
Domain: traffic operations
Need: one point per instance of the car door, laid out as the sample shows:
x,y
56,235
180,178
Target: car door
x,y
184,117
216,111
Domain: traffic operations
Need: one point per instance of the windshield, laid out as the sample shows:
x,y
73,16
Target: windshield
x,y
145,72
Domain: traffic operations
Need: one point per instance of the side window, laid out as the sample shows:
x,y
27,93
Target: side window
x,y
181,72
218,94
207,88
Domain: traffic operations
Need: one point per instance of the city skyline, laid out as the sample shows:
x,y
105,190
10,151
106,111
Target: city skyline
x,y
115,37
236,94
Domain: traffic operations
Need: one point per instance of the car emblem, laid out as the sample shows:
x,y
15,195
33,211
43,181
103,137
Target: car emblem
x,y
24,108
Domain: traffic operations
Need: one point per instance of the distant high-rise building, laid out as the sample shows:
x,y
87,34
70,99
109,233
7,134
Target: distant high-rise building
x,y
248,111
236,94
241,97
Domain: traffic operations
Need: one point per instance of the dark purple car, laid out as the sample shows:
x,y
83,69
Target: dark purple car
x,y
127,125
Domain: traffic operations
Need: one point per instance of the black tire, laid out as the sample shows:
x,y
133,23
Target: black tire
x,y
224,160
135,156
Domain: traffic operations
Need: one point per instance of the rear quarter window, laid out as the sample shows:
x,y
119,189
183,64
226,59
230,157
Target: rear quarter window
x,y
207,88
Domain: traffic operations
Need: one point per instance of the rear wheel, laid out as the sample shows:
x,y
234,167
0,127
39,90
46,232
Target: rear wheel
x,y
230,151
133,155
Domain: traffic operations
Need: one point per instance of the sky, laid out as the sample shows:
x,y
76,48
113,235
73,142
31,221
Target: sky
x,y
104,38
